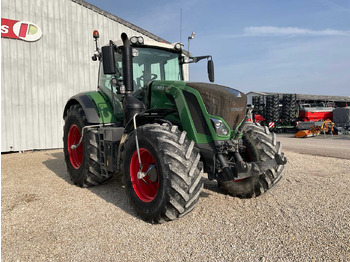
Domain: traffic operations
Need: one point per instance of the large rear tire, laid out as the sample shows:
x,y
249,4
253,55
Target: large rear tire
x,y
173,183
260,145
83,163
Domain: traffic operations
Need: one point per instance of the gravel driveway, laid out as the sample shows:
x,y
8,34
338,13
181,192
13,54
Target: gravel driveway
x,y
306,217
336,146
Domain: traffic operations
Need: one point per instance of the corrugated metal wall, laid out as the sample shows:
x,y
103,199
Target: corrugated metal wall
x,y
39,77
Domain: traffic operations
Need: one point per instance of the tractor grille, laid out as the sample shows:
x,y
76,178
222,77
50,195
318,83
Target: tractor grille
x,y
196,113
228,103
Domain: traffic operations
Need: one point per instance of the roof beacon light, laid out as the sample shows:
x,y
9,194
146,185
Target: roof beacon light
x,y
97,53
96,34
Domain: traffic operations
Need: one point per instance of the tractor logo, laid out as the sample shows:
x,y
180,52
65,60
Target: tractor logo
x,y
26,31
236,109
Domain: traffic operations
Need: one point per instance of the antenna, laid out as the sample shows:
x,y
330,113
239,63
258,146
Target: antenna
x,y
181,25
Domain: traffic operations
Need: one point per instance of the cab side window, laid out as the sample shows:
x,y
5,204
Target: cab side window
x,y
104,81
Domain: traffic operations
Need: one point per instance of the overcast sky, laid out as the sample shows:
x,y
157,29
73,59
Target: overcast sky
x,y
299,46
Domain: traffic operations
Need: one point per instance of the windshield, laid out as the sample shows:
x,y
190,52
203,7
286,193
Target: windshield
x,y
154,64
148,64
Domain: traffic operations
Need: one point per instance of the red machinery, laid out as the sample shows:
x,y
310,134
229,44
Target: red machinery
x,y
316,113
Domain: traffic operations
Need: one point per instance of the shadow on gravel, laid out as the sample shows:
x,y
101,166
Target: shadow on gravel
x,y
111,191
58,166
212,186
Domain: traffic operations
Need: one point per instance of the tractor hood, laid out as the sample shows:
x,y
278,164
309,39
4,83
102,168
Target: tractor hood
x,y
223,101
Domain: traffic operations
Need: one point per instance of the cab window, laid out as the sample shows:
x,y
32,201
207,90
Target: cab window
x,y
104,81
155,64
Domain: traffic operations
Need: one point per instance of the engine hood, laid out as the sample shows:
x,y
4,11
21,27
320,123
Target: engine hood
x,y
222,101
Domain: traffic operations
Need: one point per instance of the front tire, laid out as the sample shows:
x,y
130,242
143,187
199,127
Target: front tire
x,y
83,163
173,183
261,145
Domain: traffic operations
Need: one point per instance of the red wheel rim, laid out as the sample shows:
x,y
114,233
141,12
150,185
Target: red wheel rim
x,y
75,155
146,190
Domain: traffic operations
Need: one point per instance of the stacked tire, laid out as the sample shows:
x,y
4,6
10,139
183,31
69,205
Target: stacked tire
x,y
255,102
272,108
289,108
259,105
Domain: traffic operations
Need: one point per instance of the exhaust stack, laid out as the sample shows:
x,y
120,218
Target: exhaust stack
x,y
127,65
132,105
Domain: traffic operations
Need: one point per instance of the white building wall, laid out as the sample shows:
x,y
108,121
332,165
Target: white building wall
x,y
251,94
39,77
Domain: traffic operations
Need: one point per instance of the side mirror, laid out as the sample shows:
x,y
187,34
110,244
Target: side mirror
x,y
211,70
108,60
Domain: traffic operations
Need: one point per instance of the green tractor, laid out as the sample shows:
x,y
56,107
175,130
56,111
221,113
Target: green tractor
x,y
163,134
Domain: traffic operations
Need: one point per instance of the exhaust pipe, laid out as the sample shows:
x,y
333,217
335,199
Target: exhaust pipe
x,y
131,105
127,65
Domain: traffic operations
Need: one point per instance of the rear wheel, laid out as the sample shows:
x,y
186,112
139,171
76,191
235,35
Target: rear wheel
x,y
83,162
170,182
260,145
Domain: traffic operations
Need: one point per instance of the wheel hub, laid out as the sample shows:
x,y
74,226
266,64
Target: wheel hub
x,y
75,153
144,178
152,175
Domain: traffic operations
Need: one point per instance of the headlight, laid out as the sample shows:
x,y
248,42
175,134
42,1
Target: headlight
x,y
135,52
220,127
137,40
133,40
140,40
179,46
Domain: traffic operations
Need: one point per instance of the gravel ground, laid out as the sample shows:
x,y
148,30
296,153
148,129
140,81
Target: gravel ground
x,y
337,146
45,218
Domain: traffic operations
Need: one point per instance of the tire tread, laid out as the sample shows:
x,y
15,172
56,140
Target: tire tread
x,y
267,146
181,161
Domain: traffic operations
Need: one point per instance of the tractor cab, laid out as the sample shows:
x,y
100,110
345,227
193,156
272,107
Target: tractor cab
x,y
149,60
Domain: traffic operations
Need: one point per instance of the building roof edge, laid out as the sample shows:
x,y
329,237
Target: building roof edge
x,y
119,20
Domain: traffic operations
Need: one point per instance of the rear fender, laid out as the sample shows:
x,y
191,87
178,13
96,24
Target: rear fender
x,y
96,107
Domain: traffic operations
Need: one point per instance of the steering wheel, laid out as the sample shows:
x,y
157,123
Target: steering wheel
x,y
153,77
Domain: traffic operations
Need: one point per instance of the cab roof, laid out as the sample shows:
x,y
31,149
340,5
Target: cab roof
x,y
152,43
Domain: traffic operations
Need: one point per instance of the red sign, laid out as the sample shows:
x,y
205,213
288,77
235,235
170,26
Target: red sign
x,y
271,124
15,29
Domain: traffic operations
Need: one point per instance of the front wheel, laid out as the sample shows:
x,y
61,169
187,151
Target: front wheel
x,y
259,145
168,183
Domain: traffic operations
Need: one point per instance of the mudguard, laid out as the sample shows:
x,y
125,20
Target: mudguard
x,y
96,106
